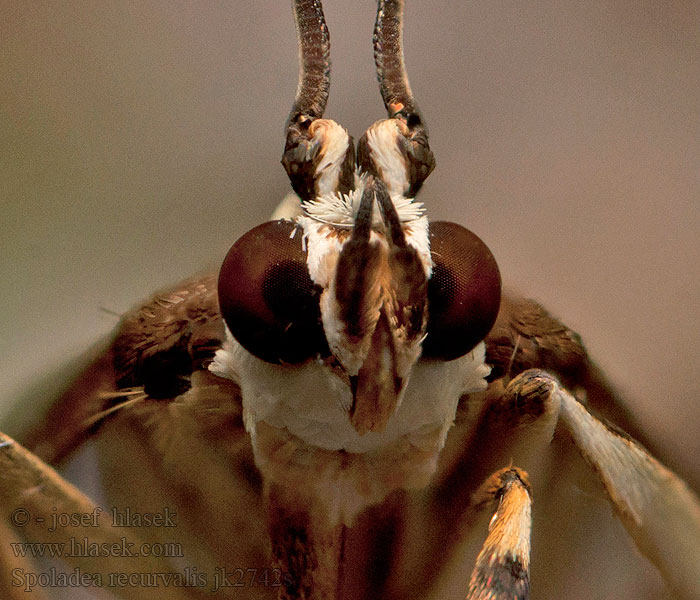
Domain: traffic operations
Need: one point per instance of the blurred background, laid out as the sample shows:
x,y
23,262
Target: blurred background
x,y
138,140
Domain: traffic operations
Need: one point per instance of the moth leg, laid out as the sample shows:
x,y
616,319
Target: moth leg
x,y
502,569
10,563
515,425
661,514
659,511
148,454
525,336
32,495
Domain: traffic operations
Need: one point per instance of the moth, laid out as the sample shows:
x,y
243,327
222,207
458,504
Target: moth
x,y
375,516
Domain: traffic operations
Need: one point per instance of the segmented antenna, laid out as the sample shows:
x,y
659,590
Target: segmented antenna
x,y
314,61
418,160
391,70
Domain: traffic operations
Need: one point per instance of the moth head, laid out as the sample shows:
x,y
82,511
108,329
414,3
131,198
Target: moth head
x,y
360,281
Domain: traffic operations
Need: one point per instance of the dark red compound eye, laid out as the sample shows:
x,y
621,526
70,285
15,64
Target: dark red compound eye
x,y
267,298
464,292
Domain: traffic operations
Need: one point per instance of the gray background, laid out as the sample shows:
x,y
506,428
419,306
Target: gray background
x,y
138,140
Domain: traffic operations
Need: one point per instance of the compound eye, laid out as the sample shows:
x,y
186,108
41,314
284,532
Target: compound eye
x,y
464,292
267,298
